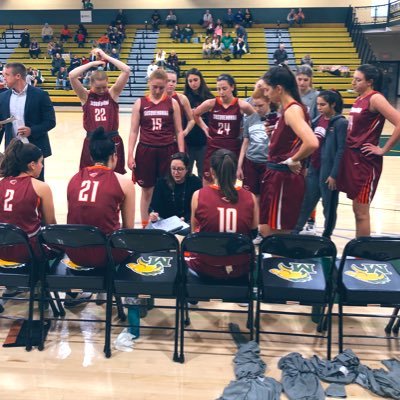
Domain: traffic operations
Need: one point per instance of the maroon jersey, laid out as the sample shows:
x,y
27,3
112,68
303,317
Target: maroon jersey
x,y
94,198
20,204
284,142
157,122
224,125
364,126
215,213
100,110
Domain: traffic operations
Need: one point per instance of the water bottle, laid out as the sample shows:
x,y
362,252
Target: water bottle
x,y
133,304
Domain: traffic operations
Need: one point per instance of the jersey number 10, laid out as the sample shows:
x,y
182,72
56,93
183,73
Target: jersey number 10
x,y
227,219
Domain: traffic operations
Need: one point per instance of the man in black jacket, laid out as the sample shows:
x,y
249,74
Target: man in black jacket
x,y
30,106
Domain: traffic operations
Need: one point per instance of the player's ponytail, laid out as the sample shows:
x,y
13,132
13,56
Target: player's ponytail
x,y
224,166
101,147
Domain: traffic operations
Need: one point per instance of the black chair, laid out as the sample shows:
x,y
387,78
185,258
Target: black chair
x,y
61,275
196,288
151,271
22,275
369,279
298,270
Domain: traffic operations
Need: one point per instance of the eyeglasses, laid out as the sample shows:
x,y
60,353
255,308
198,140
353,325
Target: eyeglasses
x,y
178,169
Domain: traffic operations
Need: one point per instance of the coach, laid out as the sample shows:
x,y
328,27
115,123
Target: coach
x,y
32,108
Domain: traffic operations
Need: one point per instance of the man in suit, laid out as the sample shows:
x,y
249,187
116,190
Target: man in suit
x,y
32,108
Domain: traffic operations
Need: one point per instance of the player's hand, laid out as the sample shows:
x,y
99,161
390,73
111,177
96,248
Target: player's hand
x,y
100,54
24,131
369,149
294,166
268,129
331,183
131,163
154,216
239,173
206,131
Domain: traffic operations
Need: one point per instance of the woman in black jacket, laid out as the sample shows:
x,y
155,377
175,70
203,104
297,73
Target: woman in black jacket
x,y
196,91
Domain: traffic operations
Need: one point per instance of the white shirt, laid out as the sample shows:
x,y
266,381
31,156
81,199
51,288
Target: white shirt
x,y
17,108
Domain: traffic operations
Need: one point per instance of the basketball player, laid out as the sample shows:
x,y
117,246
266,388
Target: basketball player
x,y
158,117
224,123
222,207
100,104
291,142
361,165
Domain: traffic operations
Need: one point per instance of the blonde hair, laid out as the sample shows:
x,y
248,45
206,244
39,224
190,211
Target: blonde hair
x,y
259,94
159,74
98,75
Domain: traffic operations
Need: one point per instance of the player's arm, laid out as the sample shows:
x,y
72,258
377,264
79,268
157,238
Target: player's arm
x,y
133,134
246,107
204,107
76,84
189,114
128,205
195,202
294,117
178,125
379,104
243,149
256,213
46,197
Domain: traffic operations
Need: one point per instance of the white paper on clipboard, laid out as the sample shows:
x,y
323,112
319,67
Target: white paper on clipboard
x,y
7,120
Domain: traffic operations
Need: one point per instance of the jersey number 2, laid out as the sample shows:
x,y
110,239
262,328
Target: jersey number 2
x,y
7,199
100,114
227,219
88,189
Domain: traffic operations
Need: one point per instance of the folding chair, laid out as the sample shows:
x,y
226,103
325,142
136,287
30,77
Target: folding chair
x,y
197,288
151,271
297,270
16,274
62,275
370,278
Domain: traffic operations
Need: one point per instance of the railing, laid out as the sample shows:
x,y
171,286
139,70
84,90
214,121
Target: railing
x,y
4,37
378,14
356,32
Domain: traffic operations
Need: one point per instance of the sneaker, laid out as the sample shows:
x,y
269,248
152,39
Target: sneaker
x,y
309,229
13,292
79,298
100,298
258,239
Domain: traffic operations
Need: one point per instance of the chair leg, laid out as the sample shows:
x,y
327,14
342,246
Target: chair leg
x,y
52,304
329,333
107,339
250,318
340,324
60,306
392,321
321,327
30,317
396,327
187,318
176,357
258,318
120,309
182,307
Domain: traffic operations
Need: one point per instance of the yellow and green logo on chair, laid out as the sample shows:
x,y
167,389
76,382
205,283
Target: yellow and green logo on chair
x,y
150,266
10,264
376,274
295,271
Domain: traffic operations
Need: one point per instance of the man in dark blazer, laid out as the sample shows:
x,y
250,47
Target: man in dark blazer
x,y
32,108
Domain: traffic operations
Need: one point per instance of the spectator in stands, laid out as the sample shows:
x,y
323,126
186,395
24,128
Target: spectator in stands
x,y
50,48
171,19
47,33
307,60
155,20
88,5
62,79
173,63
86,79
3,87
281,55
175,33
25,39
291,18
229,18
227,42
337,70
30,79
114,39
151,68
121,32
74,63
210,29
84,60
58,48
39,79
121,18
248,19
57,63
241,32
187,33
218,30
65,34
104,42
34,49
83,30
239,17
207,48
160,58
216,47
114,54
80,39
239,48
300,17
207,19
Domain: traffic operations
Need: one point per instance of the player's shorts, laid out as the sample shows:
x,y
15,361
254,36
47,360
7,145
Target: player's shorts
x,y
152,162
253,174
86,159
359,175
94,256
281,198
19,253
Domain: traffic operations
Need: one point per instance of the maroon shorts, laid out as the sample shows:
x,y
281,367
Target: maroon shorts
x,y
359,175
281,197
253,174
86,159
151,163
94,256
19,253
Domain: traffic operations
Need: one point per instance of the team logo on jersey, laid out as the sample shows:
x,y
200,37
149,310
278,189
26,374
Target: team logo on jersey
x,y
377,274
93,174
150,266
294,272
75,267
10,264
13,181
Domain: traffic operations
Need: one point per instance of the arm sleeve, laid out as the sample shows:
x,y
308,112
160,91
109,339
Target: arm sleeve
x,y
341,133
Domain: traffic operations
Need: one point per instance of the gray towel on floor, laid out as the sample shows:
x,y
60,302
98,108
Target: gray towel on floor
x,y
336,390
